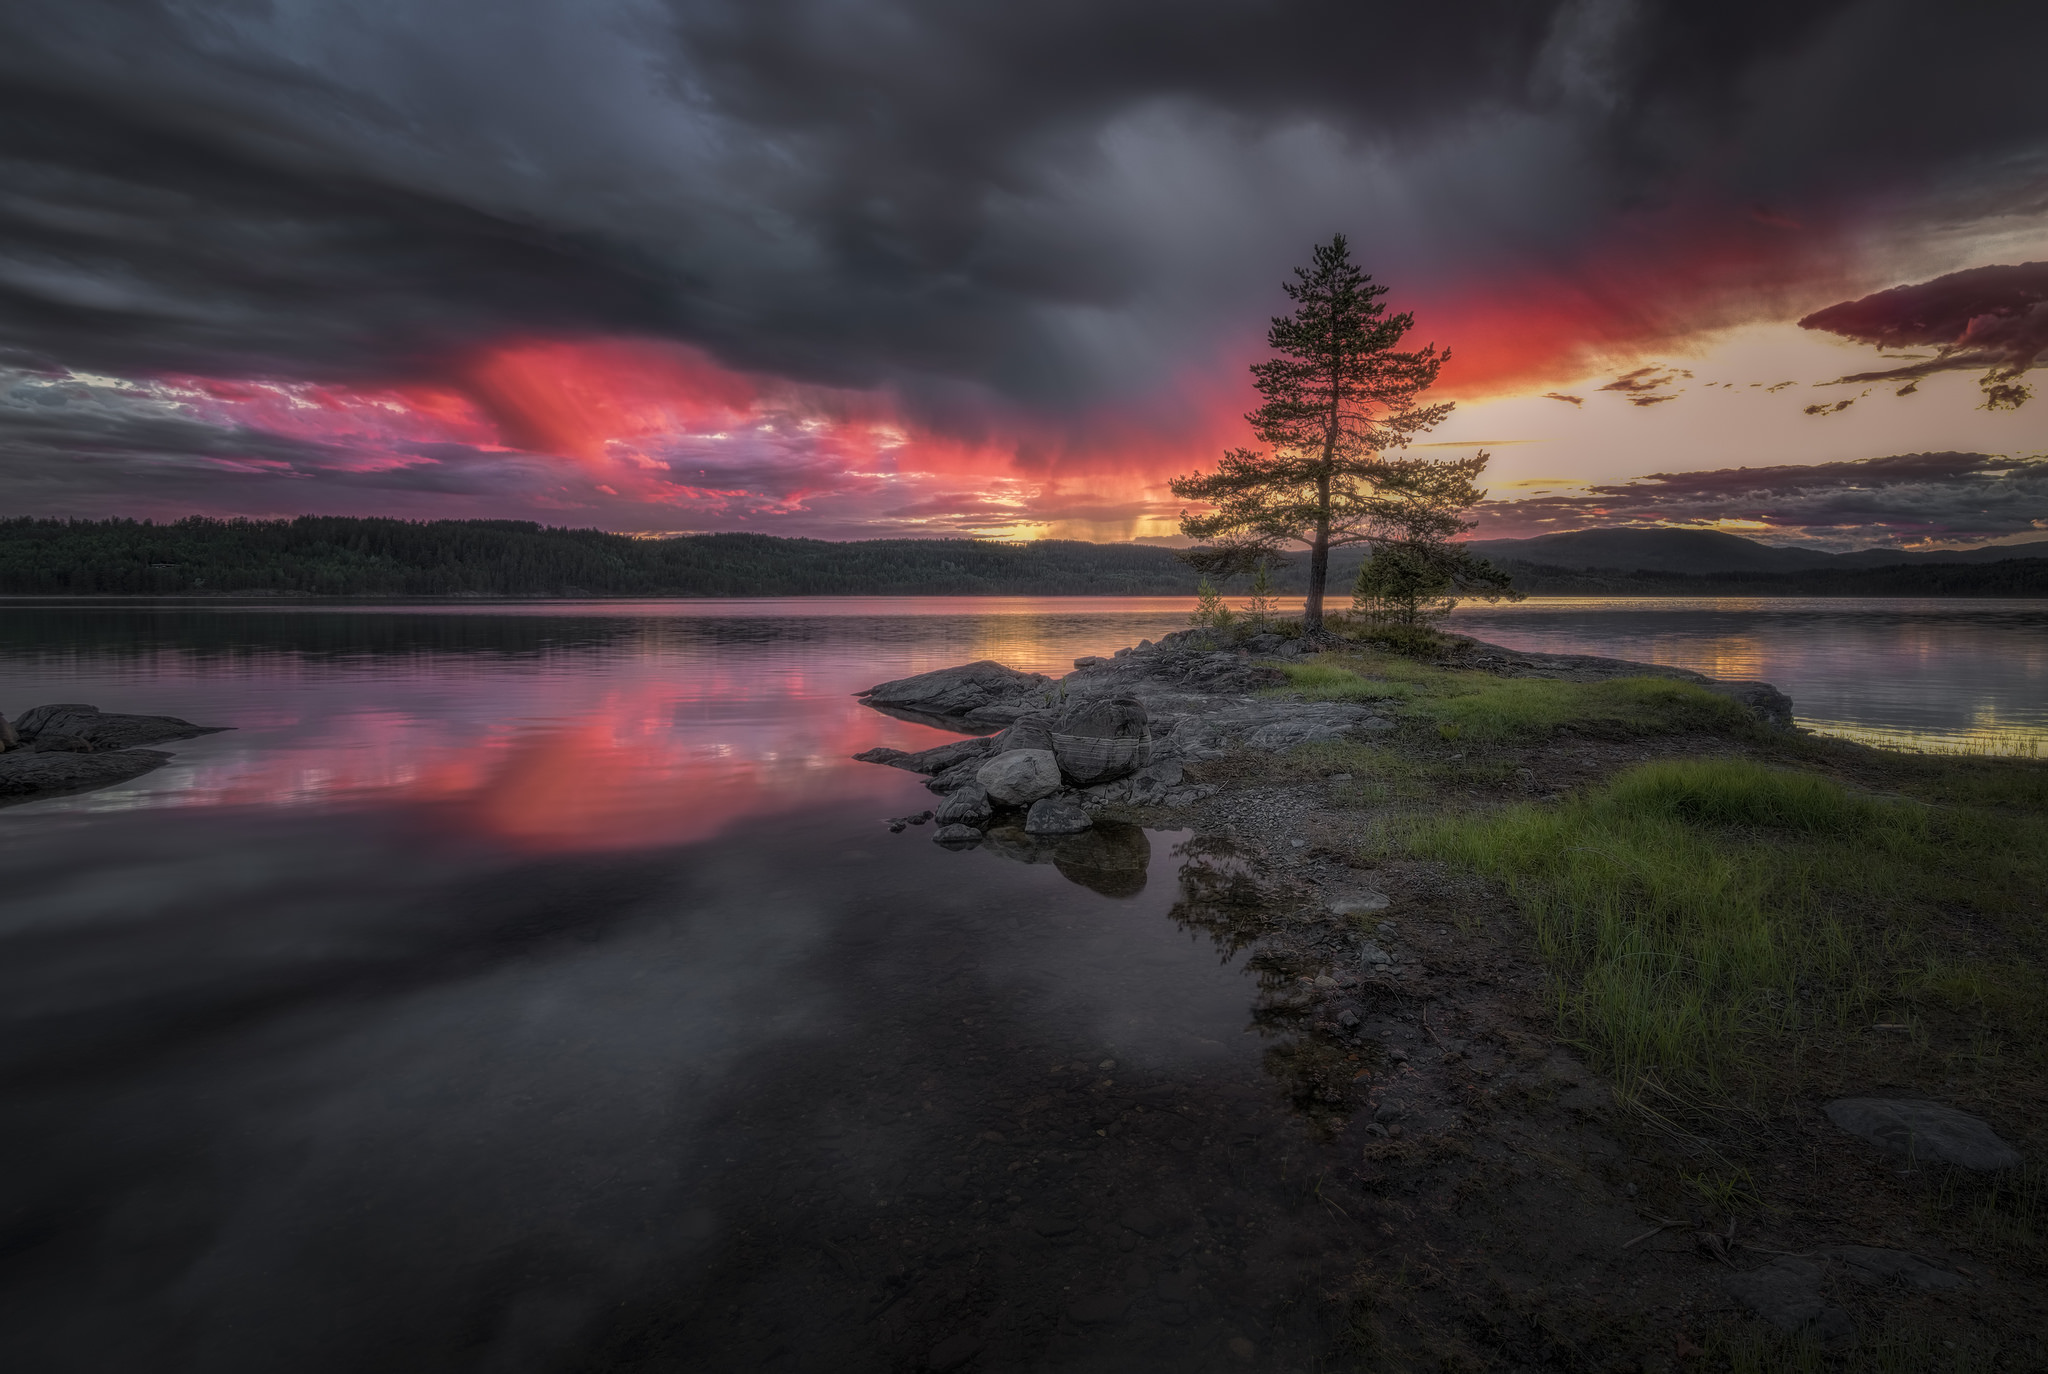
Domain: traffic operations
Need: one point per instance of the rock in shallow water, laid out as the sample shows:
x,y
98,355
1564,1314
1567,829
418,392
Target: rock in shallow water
x,y
967,805
957,691
1923,1131
1056,816
1019,777
957,835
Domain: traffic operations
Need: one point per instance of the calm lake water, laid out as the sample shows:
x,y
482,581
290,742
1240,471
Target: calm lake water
x,y
537,988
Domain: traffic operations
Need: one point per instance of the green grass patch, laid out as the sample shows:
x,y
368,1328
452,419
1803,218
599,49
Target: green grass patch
x,y
1334,682
1502,710
1707,922
1482,708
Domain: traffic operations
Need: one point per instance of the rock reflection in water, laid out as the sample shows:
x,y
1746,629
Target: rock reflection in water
x,y
1110,858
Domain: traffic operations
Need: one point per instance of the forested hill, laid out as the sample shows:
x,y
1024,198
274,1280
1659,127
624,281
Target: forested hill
x,y
337,556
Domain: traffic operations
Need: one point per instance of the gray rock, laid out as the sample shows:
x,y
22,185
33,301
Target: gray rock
x,y
957,834
1019,777
965,806
1056,816
1107,794
1769,705
1264,643
1875,1265
1282,735
953,779
1164,772
26,774
934,760
957,691
1030,730
1924,1131
1372,956
8,737
1098,741
997,713
1789,1294
102,730
50,742
1377,725
1358,903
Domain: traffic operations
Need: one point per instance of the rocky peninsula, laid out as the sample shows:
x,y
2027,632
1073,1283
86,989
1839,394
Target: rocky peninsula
x,y
52,750
1417,1021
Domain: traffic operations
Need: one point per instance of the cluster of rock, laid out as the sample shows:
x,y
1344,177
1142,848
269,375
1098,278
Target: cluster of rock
x,y
1116,730
69,747
1044,771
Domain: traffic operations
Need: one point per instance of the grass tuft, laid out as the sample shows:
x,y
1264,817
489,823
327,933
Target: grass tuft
x,y
1706,919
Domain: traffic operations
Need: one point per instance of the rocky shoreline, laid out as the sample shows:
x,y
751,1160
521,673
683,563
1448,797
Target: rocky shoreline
x,y
1407,1008
52,750
1118,732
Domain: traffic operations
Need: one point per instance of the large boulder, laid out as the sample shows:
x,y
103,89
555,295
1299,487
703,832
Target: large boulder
x,y
1019,777
957,691
1098,741
8,739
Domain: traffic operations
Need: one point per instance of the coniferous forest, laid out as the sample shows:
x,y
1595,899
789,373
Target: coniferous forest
x,y
346,556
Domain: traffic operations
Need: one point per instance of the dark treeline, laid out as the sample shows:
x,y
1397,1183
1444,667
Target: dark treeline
x,y
2009,577
336,556
341,556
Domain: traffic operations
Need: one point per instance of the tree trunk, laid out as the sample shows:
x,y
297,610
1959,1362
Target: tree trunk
x,y
1318,562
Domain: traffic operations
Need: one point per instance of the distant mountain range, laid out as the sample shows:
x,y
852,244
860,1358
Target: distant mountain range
x,y
1709,552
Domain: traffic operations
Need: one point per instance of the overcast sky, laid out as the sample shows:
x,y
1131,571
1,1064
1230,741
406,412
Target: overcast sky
x,y
850,268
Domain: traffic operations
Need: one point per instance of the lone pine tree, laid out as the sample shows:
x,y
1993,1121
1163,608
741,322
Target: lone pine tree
x,y
1337,397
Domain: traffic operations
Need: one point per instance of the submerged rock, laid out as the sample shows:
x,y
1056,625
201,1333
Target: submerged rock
x,y
1019,777
957,835
1923,1131
1056,816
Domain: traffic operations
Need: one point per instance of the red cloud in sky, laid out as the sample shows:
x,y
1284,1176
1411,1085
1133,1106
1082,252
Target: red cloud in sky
x,y
1995,318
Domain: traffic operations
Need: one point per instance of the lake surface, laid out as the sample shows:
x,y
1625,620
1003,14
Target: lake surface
x,y
537,987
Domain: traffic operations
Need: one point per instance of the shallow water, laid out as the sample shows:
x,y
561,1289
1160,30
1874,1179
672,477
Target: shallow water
x,y
538,988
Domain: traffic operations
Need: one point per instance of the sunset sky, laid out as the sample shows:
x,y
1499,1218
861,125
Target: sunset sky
x,y
853,268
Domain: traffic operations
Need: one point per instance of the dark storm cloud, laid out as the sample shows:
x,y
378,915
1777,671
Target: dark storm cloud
x,y
1906,499
1045,202
1993,319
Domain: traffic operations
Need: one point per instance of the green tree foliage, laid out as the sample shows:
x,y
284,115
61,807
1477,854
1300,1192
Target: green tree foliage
x,y
1209,607
1413,582
1261,604
1339,396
